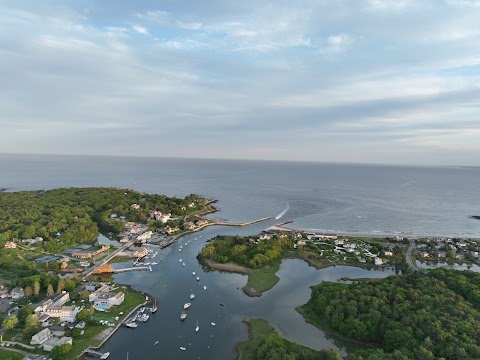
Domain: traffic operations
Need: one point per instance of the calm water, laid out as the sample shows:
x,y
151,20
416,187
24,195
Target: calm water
x,y
344,198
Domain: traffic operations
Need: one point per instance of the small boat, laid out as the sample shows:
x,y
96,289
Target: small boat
x,y
212,323
155,343
193,273
183,316
192,296
204,287
131,325
153,309
183,348
180,246
198,327
183,264
154,263
221,304
105,355
143,318
198,279
180,260
187,305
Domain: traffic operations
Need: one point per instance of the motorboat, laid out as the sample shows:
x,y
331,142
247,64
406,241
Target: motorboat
x,y
155,343
193,273
192,296
180,260
204,287
183,264
131,324
105,355
183,348
198,279
187,305
183,316
212,323
197,328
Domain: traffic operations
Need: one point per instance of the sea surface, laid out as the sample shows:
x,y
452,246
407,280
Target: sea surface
x,y
358,199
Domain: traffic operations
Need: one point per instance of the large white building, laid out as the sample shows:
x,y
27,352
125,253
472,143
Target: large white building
x,y
64,313
103,296
57,300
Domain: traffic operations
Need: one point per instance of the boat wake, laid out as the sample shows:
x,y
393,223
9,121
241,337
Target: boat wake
x,y
279,216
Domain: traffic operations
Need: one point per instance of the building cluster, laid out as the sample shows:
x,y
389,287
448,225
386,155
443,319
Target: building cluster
x,y
443,248
90,254
158,215
46,339
55,308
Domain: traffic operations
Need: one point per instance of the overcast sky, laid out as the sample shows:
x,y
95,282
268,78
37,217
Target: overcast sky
x,y
376,81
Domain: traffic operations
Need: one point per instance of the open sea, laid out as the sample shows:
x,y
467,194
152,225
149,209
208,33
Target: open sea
x,y
354,199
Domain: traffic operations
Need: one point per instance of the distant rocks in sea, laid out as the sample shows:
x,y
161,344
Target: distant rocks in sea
x,y
475,217
3,189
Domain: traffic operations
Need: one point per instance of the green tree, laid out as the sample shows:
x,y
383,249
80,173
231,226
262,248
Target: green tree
x,y
10,323
28,291
23,313
50,290
61,286
85,294
31,323
60,352
82,314
36,288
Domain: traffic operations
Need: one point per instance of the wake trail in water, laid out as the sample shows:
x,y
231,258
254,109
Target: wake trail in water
x,y
283,212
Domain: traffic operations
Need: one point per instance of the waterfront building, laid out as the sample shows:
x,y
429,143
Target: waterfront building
x,y
90,254
140,252
104,297
64,313
189,225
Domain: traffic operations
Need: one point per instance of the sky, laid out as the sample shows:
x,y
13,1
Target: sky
x,y
362,81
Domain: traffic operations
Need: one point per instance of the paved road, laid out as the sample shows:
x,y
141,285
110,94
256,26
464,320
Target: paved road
x,y
408,256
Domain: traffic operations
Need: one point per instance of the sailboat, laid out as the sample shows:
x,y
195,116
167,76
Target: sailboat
x,y
193,273
198,327
198,279
183,264
192,296
204,287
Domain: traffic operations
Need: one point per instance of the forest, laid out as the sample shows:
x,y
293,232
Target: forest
x,y
79,214
423,315
245,251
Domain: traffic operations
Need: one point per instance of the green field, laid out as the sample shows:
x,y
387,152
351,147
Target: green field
x,y
261,280
9,355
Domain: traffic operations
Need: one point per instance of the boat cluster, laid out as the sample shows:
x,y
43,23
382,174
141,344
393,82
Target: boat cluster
x,y
141,316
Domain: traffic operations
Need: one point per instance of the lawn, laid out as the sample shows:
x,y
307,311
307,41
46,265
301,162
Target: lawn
x,y
9,355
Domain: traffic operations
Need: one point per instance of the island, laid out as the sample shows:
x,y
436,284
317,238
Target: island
x,y
59,297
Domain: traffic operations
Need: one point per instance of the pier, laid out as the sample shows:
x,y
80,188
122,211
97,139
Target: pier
x,y
136,268
92,353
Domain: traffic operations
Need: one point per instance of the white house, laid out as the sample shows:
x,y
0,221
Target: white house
x,y
17,293
57,300
378,261
40,337
50,344
145,236
103,296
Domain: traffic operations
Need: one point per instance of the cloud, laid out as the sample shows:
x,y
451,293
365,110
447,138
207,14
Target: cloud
x,y
140,29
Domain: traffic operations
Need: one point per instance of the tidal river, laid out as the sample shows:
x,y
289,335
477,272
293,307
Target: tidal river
x,y
171,284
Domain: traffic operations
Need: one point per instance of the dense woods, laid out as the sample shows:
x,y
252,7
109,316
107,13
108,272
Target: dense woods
x,y
425,315
78,214
248,252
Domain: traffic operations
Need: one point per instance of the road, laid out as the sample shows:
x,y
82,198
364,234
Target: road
x,y
408,256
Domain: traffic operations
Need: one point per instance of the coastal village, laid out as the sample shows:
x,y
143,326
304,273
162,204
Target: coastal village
x,y
87,306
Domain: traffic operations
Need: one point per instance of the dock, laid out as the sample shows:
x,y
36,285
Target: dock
x,y
136,268
92,353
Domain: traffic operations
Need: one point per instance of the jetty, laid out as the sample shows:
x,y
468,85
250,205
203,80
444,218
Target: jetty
x,y
91,352
135,268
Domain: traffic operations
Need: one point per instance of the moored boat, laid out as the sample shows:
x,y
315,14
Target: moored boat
x,y
183,348
204,287
180,260
212,323
192,296
193,273
183,316
187,305
131,324
197,328
198,279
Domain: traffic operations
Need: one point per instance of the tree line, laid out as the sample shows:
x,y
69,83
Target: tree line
x,y
423,315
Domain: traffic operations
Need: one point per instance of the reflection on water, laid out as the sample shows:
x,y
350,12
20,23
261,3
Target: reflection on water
x,y
434,265
171,284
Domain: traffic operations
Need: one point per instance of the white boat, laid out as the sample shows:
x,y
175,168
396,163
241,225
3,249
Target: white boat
x,y
105,355
143,318
198,327
192,296
183,316
179,249
155,343
198,279
131,325
180,260
187,305
183,264
193,273
183,348
204,287
213,324
154,263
